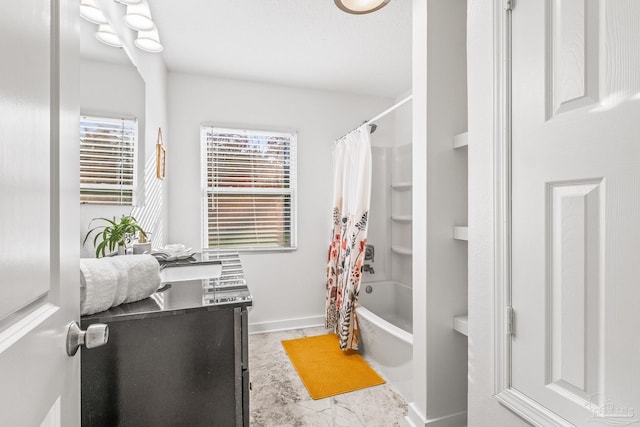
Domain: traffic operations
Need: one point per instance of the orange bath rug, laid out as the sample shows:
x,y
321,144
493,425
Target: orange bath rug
x,y
326,370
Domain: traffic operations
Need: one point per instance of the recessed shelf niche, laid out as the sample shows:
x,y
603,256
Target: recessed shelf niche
x,y
401,251
401,186
461,140
461,324
402,218
461,232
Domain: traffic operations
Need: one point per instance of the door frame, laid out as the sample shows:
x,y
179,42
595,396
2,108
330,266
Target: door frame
x,y
508,396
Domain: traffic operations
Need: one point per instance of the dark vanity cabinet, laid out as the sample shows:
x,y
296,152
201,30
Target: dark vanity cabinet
x,y
179,358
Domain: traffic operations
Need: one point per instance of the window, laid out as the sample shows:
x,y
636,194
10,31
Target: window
x,y
249,182
107,160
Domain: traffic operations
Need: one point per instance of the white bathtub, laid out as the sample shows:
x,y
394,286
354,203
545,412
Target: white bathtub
x,y
385,320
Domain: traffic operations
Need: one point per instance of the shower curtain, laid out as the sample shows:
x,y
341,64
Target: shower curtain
x,y
351,197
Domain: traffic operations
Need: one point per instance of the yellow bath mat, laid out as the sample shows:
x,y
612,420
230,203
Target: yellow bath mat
x,y
326,370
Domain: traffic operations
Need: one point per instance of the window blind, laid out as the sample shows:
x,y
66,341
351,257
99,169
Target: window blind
x,y
249,181
107,160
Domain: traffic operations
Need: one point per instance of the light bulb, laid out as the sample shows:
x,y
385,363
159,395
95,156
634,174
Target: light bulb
x,y
107,36
91,12
360,7
138,16
149,41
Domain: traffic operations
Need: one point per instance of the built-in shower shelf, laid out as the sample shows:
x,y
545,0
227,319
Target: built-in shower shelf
x,y
461,324
461,140
401,251
402,186
401,218
461,232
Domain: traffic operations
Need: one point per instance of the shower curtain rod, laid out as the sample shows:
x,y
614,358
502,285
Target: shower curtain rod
x,y
381,115
390,109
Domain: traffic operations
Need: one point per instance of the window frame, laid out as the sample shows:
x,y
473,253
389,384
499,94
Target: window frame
x,y
113,119
291,191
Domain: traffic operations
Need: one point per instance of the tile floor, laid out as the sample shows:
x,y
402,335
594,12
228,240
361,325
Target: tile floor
x,y
278,397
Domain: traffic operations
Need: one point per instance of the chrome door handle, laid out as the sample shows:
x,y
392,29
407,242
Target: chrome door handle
x,y
95,336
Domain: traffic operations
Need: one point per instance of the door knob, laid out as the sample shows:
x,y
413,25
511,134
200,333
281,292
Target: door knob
x,y
95,336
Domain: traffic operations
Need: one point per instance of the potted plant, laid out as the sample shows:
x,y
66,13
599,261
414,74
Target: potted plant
x,y
114,234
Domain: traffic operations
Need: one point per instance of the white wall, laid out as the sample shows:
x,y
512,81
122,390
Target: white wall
x,y
439,202
484,409
111,90
403,119
418,408
288,287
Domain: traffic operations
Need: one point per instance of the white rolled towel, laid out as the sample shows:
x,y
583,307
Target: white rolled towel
x,y
98,285
110,281
144,275
120,263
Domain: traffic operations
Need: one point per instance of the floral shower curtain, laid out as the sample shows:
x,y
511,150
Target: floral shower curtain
x,y
351,197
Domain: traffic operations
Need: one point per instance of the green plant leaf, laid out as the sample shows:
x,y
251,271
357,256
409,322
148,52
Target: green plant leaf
x,y
114,233
100,249
89,233
95,239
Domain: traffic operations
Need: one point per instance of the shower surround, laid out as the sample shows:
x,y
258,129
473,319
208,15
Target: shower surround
x,y
385,302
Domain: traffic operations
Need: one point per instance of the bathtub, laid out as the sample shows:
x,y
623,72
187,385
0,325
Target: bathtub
x,y
385,320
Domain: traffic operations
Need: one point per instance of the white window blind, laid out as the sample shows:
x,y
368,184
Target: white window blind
x,y
107,160
249,181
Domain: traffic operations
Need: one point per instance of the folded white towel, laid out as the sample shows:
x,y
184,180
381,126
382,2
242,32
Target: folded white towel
x,y
110,281
144,276
120,263
98,285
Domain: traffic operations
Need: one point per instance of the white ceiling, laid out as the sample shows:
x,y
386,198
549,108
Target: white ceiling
x,y
305,43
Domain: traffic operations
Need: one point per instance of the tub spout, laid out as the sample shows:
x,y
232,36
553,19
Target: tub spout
x,y
368,268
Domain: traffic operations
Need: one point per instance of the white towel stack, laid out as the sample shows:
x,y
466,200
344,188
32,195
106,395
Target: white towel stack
x,y
120,264
144,276
111,281
98,283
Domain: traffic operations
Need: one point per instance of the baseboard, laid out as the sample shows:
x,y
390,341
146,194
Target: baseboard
x,y
287,324
416,419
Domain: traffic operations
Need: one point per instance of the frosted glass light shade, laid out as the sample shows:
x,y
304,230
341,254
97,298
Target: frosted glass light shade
x,y
360,7
128,2
149,41
107,36
91,12
138,16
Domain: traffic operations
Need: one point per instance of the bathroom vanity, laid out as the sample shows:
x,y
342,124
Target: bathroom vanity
x,y
178,358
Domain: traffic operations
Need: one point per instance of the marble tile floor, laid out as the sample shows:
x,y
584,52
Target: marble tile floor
x,y
278,397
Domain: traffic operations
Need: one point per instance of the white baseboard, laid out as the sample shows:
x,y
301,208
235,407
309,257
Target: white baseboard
x,y
287,324
416,419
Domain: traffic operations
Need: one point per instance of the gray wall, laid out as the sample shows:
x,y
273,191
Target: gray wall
x,y
288,287
439,203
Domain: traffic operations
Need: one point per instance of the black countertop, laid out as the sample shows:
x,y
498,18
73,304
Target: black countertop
x,y
179,297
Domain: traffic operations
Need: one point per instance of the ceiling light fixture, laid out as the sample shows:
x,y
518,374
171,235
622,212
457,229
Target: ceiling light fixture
x,y
149,41
138,16
128,2
360,7
91,12
107,36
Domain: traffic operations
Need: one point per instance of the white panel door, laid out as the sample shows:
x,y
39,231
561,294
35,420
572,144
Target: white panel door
x,y
576,207
39,383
